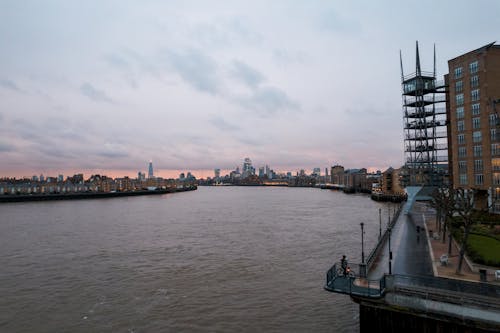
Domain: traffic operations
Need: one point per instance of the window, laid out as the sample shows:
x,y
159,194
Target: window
x,y
474,95
478,165
479,179
460,112
460,125
475,109
496,179
493,134
476,136
474,81
459,99
463,179
458,72
478,151
495,164
476,123
459,87
495,149
462,166
462,152
461,139
493,119
473,67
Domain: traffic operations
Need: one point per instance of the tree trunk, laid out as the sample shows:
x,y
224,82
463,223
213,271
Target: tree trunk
x,y
449,244
444,229
462,250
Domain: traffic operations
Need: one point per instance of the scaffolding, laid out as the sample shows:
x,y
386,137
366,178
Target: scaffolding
x,y
425,135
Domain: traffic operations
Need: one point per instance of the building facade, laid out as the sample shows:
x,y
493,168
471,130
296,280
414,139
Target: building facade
x,y
474,127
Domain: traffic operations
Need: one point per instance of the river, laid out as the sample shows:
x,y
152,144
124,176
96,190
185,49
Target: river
x,y
219,259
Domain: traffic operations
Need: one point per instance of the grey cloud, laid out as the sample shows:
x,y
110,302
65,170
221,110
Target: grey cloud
x,y
196,68
269,100
223,125
113,150
5,147
116,61
9,84
94,94
247,74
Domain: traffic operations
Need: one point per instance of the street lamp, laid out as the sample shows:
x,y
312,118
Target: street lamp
x,y
380,223
390,252
388,215
362,243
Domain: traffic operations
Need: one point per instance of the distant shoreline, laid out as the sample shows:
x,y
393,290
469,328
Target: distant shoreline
x,y
87,195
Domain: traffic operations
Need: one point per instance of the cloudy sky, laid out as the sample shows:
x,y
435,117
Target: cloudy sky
x,y
106,86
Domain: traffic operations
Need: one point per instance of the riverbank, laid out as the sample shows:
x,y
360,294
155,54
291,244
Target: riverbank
x,y
89,195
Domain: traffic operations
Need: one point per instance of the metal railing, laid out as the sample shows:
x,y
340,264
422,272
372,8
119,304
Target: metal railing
x,y
353,284
439,289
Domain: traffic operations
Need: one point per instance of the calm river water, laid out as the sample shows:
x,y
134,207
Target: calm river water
x,y
224,259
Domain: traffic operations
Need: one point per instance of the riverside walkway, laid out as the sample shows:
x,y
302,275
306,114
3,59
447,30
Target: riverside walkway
x,y
413,278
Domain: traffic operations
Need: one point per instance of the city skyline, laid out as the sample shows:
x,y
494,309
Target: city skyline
x,y
95,88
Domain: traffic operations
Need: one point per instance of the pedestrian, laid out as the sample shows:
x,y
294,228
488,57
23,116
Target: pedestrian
x,y
343,264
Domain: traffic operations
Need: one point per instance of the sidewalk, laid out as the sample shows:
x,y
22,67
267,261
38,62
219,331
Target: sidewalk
x,y
438,248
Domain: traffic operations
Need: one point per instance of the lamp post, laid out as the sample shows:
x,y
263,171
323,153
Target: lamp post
x,y
380,223
388,215
390,252
362,243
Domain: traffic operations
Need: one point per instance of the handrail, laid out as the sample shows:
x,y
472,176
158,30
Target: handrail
x,y
375,250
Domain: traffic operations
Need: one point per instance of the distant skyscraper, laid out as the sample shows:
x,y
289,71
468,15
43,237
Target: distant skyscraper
x,y
248,169
261,172
150,170
217,173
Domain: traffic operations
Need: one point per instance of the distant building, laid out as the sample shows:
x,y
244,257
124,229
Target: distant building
x,y
248,169
216,174
261,172
337,174
150,170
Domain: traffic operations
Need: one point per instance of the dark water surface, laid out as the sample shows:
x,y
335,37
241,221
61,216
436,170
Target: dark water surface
x,y
219,259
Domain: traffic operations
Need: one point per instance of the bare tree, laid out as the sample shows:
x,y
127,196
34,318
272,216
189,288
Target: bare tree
x,y
444,201
468,215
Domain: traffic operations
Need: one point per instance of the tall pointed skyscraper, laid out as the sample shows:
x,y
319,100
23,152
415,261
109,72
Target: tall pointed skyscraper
x,y
150,170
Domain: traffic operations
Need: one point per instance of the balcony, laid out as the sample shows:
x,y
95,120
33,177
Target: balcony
x,y
419,101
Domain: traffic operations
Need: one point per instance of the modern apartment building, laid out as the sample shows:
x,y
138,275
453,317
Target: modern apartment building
x,y
473,105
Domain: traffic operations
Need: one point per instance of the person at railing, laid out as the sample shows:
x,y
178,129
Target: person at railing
x,y
343,264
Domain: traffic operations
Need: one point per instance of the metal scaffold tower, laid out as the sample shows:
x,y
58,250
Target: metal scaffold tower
x,y
425,136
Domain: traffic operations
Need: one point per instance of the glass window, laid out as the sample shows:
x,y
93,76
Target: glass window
x,y
462,166
475,109
478,151
479,179
463,179
495,149
474,95
460,125
474,81
476,123
495,164
496,179
459,99
458,72
473,67
460,112
476,136
478,165
459,86
462,152
461,139
493,119
493,134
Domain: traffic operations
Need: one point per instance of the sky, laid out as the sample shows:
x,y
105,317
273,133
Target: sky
x,y
106,86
